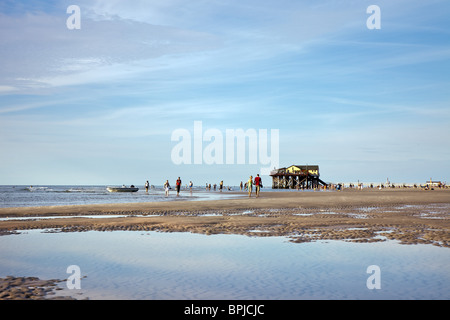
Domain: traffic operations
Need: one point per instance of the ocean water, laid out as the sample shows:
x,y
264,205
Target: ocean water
x,y
30,196
157,265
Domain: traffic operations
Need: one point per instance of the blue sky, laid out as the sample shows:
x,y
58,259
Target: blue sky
x,y
98,105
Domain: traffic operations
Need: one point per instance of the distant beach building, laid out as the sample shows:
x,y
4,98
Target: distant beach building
x,y
296,177
436,184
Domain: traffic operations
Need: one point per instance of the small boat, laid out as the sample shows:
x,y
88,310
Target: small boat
x,y
122,189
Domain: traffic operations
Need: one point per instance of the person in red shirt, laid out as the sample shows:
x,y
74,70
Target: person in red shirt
x,y
257,185
178,186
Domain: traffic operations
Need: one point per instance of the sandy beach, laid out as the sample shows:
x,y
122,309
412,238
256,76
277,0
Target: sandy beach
x,y
409,215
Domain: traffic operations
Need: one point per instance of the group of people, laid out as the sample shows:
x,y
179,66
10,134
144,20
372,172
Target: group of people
x,y
167,186
208,186
249,185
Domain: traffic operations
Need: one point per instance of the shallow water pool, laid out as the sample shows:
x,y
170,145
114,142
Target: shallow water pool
x,y
155,265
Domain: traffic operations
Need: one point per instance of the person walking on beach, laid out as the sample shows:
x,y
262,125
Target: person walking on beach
x,y
146,186
257,185
167,187
250,186
241,186
190,186
178,186
221,186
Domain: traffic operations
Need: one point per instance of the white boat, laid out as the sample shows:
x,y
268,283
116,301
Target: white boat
x,y
122,189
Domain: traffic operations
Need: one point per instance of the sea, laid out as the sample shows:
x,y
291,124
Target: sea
x,y
57,195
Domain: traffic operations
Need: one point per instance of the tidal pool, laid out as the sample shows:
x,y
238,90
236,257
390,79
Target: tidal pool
x,y
156,265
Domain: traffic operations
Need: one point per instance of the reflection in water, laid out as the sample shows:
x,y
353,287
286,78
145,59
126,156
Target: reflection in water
x,y
152,265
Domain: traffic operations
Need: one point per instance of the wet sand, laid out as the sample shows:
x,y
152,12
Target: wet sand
x,y
410,216
29,288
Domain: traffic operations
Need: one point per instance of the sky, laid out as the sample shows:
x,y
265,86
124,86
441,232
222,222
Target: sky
x,y
99,104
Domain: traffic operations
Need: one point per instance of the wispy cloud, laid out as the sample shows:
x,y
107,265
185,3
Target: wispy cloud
x,y
38,47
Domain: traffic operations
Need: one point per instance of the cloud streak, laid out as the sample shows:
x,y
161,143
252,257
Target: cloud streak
x,y
37,48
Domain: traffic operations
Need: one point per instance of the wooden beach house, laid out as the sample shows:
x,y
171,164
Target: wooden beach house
x,y
296,177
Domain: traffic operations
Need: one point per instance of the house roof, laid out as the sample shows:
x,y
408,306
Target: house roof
x,y
305,166
282,171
